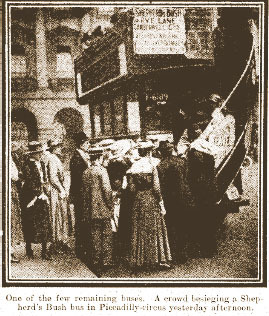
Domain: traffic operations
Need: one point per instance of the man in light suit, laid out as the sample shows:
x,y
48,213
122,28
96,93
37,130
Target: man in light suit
x,y
98,211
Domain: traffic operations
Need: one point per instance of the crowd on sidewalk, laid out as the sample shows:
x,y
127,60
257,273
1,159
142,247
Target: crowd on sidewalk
x,y
144,203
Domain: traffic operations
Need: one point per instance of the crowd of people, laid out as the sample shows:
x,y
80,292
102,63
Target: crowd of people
x,y
144,203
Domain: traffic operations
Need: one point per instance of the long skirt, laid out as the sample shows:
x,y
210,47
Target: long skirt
x,y
36,222
125,223
16,225
101,242
149,244
59,217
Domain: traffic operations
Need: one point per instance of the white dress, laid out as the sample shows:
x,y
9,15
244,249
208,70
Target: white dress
x,y
58,201
218,138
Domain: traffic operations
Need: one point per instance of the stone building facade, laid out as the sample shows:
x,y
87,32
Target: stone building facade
x,y
44,44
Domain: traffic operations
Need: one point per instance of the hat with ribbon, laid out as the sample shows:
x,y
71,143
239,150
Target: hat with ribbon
x,y
54,143
35,147
145,144
106,143
120,148
96,151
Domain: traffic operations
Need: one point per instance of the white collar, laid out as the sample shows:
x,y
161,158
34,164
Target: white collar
x,y
144,165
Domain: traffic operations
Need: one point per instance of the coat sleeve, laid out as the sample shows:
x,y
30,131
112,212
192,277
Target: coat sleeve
x,y
107,191
14,171
202,177
156,184
32,178
85,193
71,190
74,175
54,178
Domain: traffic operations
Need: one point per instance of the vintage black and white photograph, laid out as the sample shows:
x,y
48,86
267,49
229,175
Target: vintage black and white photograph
x,y
134,142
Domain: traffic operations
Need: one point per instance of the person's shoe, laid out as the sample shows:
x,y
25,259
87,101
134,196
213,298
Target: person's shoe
x,y
164,266
14,259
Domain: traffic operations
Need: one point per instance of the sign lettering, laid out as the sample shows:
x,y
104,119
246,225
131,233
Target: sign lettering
x,y
159,31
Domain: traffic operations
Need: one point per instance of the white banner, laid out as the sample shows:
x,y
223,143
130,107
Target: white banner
x,y
159,31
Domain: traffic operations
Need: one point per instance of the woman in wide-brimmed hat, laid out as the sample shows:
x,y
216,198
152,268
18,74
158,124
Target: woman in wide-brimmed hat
x,y
149,241
34,200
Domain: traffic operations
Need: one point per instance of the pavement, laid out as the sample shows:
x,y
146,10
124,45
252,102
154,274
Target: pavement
x,y
62,266
236,257
237,250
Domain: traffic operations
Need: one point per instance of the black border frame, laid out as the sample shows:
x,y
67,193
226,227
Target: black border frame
x,y
142,282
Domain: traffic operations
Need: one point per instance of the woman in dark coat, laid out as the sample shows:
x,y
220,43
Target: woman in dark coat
x,y
34,201
78,164
177,197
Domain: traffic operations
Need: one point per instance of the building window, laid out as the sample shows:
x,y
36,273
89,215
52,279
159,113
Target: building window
x,y
64,62
18,61
107,112
119,119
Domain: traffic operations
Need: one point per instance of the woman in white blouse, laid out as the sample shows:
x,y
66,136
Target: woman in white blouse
x,y
149,242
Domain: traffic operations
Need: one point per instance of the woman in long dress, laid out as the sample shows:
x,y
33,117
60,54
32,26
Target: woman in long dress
x,y
58,200
149,241
16,225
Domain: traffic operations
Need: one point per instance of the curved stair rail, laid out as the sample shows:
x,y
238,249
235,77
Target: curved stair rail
x,y
222,168
241,77
228,99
